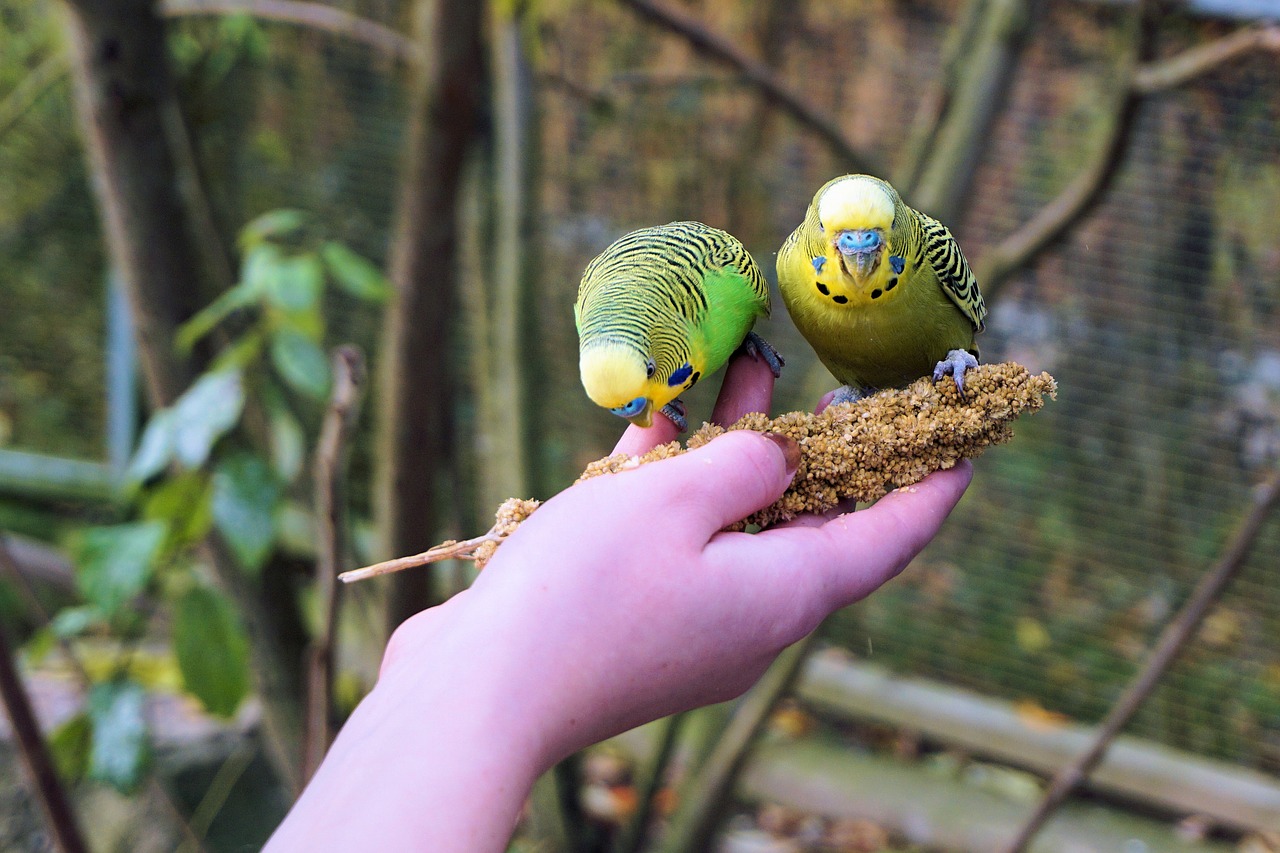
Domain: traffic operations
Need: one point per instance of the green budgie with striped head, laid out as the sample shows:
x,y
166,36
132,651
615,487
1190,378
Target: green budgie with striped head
x,y
881,291
661,308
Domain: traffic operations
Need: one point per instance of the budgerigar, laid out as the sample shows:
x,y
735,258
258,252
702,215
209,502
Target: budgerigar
x,y
661,308
881,291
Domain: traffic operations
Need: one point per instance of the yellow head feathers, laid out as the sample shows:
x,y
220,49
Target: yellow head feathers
x,y
618,378
856,201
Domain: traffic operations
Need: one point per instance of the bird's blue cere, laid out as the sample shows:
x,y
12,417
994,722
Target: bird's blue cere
x,y
850,242
630,409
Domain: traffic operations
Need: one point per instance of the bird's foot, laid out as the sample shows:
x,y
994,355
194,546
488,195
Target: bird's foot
x,y
676,413
849,394
757,347
955,364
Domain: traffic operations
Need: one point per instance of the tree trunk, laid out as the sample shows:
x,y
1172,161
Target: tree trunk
x,y
127,110
415,441
982,83
152,207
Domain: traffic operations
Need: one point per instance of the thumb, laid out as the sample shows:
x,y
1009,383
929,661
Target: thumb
x,y
727,479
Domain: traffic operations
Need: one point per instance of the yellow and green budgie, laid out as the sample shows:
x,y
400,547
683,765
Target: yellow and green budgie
x,y
661,308
881,291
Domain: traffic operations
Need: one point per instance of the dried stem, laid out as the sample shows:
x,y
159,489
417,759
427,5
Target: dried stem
x,y
1165,74
64,829
758,74
452,550
331,521
1172,640
316,16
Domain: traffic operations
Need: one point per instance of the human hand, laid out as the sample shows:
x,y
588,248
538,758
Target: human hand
x,y
622,600
619,601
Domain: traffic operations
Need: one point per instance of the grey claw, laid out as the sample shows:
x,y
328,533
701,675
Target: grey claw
x,y
848,394
955,364
676,413
757,347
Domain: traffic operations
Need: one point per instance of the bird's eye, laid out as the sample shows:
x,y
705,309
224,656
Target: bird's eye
x,y
649,369
630,409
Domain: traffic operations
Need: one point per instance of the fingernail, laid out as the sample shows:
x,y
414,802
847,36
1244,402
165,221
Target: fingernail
x,y
790,449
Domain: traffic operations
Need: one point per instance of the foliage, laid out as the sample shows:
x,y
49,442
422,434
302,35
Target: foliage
x,y
195,473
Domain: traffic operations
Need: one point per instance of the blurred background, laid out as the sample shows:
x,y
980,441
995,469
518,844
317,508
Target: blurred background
x,y
200,199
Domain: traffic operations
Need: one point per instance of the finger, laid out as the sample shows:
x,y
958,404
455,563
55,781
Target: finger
x,y
640,440
723,481
747,387
848,557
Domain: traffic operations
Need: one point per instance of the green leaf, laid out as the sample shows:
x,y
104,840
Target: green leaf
x,y
204,413
207,318
282,224
184,501
261,262
155,450
120,749
113,564
354,273
212,651
74,621
245,495
301,363
296,283
288,443
70,743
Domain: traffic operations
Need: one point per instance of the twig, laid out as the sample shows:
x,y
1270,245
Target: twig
x,y
1166,74
760,75
63,825
317,16
1171,642
936,100
223,782
650,782
64,829
331,522
11,567
31,88
463,550
1084,191
693,825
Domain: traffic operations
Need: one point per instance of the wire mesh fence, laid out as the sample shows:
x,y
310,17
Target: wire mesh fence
x,y
1158,315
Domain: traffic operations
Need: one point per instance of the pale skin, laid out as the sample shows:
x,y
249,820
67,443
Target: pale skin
x,y
620,601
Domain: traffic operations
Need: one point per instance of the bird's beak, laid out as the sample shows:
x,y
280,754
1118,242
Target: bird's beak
x,y
644,417
865,262
859,249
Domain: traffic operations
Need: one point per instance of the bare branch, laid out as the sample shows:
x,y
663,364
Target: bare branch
x,y
1154,77
693,825
760,75
12,565
31,89
64,828
1080,195
452,550
1172,640
331,522
316,16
